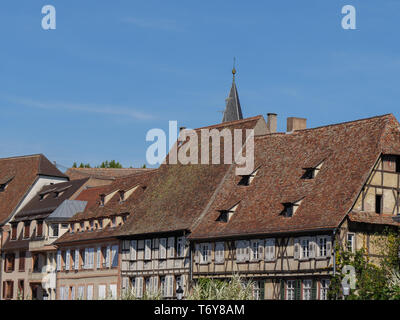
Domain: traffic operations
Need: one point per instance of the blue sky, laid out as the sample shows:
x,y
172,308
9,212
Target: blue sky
x,y
91,89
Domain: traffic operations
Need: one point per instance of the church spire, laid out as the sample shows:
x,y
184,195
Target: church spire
x,y
233,111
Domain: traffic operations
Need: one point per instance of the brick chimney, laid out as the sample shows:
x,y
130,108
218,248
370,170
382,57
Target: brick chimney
x,y
271,122
294,124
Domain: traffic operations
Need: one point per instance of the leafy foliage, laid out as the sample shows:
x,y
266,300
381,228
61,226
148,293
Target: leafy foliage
x,y
375,280
213,289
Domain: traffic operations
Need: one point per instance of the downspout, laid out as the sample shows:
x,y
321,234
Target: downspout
x,y
334,251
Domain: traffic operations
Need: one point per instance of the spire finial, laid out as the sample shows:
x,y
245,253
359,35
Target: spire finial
x,y
233,69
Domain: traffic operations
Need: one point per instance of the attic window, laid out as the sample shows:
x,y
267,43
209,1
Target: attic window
x,y
4,183
102,199
378,203
3,186
122,196
226,215
311,172
247,179
290,208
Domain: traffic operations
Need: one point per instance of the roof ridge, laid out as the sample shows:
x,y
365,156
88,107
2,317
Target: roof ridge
x,y
24,156
226,124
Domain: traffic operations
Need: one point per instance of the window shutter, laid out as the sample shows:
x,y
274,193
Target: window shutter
x,y
67,259
155,284
133,249
89,292
163,249
312,247
147,249
171,247
314,290
58,260
108,257
219,252
98,258
282,289
328,246
196,253
260,249
114,261
76,266
296,249
297,290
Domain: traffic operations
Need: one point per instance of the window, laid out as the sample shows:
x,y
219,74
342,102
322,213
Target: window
x,y
309,173
76,260
89,292
305,246
58,260
81,227
14,228
171,247
8,289
114,222
163,248
81,293
247,179
121,196
72,292
290,290
259,290
26,230
115,256
9,262
102,292
39,229
323,293
54,230
133,250
113,291
226,215
205,250
307,289
139,287
180,247
322,245
398,164
350,242
242,251
21,261
255,250
102,200
21,289
163,286
147,249
378,203
270,249
219,252
290,208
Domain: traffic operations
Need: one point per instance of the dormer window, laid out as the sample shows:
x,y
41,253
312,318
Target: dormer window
x,y
122,196
82,226
311,172
226,215
91,225
100,223
102,200
4,183
290,208
247,179
113,221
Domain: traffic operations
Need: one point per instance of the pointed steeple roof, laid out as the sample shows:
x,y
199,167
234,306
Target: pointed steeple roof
x,y
233,111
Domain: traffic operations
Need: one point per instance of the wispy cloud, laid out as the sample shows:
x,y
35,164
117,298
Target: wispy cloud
x,y
161,24
84,108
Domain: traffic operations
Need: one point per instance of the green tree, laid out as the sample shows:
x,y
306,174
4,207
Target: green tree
x,y
111,164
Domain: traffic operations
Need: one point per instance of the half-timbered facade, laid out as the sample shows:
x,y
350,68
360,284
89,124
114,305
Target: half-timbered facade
x,y
311,189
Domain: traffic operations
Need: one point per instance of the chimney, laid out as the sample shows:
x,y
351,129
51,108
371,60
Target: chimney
x,y
271,122
294,124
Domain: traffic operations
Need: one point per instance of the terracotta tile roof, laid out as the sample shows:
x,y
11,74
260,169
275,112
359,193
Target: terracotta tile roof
x,y
349,150
41,208
23,172
178,194
370,217
103,173
112,207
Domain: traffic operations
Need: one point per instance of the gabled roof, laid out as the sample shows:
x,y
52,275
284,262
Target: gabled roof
x,y
48,199
103,173
21,173
179,194
112,207
349,150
